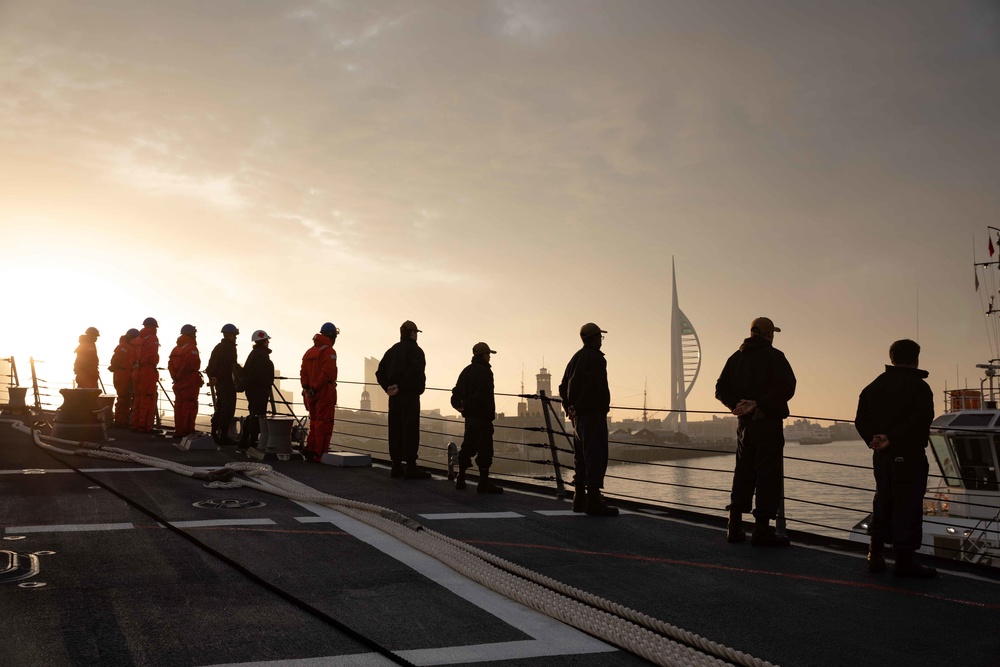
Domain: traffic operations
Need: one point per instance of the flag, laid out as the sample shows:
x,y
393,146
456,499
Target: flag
x,y
991,248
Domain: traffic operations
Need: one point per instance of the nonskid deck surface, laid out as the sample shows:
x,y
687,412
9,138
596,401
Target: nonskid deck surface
x,y
120,588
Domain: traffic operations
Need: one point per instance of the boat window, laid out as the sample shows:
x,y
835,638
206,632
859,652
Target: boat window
x,y
946,460
975,461
974,419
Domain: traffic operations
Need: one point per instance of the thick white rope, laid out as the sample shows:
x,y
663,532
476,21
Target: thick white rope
x,y
657,641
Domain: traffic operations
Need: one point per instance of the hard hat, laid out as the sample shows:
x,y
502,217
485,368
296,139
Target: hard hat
x,y
150,322
230,328
131,333
92,331
329,329
188,330
259,335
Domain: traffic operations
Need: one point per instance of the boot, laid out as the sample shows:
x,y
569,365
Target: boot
x,y
413,472
580,499
876,557
764,535
460,480
906,566
395,472
735,532
596,506
486,485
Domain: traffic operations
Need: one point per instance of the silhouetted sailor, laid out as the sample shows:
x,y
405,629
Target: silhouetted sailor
x,y
185,371
121,373
86,365
894,417
318,376
259,372
473,398
145,357
587,400
756,385
220,378
401,374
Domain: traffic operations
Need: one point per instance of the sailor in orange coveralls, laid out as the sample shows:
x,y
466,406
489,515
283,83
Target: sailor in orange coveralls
x,y
121,371
319,387
86,363
145,357
184,367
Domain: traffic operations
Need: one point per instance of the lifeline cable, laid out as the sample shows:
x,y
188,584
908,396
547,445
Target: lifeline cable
x,y
650,638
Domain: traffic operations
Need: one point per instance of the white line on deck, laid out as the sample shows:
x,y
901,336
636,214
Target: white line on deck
x,y
549,636
471,515
559,513
208,523
36,471
68,528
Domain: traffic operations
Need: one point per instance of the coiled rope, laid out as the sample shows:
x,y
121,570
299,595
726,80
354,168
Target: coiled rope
x,y
657,641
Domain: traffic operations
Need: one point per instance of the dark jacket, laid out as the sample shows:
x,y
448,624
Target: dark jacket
x,y
584,386
473,392
403,365
757,372
220,364
259,371
897,404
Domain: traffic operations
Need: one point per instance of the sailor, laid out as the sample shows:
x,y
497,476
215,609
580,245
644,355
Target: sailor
x,y
220,378
184,367
121,372
318,375
145,357
259,372
587,400
401,375
756,385
473,398
86,365
894,417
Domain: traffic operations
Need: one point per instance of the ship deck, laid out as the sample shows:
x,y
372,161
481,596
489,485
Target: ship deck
x,y
132,572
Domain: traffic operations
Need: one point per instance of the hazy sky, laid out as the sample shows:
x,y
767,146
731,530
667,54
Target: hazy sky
x,y
505,171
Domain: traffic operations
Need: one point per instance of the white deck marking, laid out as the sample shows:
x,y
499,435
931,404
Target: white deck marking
x,y
36,471
446,516
208,523
559,513
549,636
355,660
68,528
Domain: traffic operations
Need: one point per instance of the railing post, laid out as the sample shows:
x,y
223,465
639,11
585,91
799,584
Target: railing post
x,y
779,524
14,382
34,384
546,406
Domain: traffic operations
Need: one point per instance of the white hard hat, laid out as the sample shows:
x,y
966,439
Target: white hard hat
x,y
259,335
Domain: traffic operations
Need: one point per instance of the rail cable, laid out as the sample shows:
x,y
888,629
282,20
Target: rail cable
x,y
657,641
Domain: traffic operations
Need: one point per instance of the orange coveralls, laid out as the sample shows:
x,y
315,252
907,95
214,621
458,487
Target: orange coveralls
x,y
121,369
86,364
319,373
145,356
184,366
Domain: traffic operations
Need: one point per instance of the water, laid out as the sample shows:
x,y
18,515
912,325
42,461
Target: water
x,y
656,483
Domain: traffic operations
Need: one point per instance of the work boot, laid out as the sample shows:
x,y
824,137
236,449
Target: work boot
x,y
580,499
460,480
735,532
876,556
764,535
396,471
486,485
906,566
413,472
596,506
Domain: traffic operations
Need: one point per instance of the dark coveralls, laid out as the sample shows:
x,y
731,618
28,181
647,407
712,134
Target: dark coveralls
x,y
584,388
473,395
403,365
758,372
899,405
259,370
220,367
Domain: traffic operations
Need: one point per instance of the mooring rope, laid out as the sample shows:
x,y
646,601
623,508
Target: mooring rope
x,y
657,641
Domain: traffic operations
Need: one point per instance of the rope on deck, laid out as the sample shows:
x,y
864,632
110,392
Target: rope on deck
x,y
657,641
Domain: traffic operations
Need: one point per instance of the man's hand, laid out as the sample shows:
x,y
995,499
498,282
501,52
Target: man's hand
x,y
211,382
392,389
879,442
744,407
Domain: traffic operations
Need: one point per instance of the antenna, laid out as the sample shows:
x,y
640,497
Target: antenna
x,y
645,383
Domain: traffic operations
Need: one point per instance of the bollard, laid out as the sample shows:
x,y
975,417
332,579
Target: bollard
x,y
15,404
79,417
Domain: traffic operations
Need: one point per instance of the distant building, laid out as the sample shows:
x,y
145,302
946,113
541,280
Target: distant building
x,y
685,362
714,430
379,399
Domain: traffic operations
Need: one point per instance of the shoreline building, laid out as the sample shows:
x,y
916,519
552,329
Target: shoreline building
x,y
685,361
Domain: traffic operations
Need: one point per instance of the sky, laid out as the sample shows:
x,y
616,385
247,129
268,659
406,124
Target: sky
x,y
506,171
